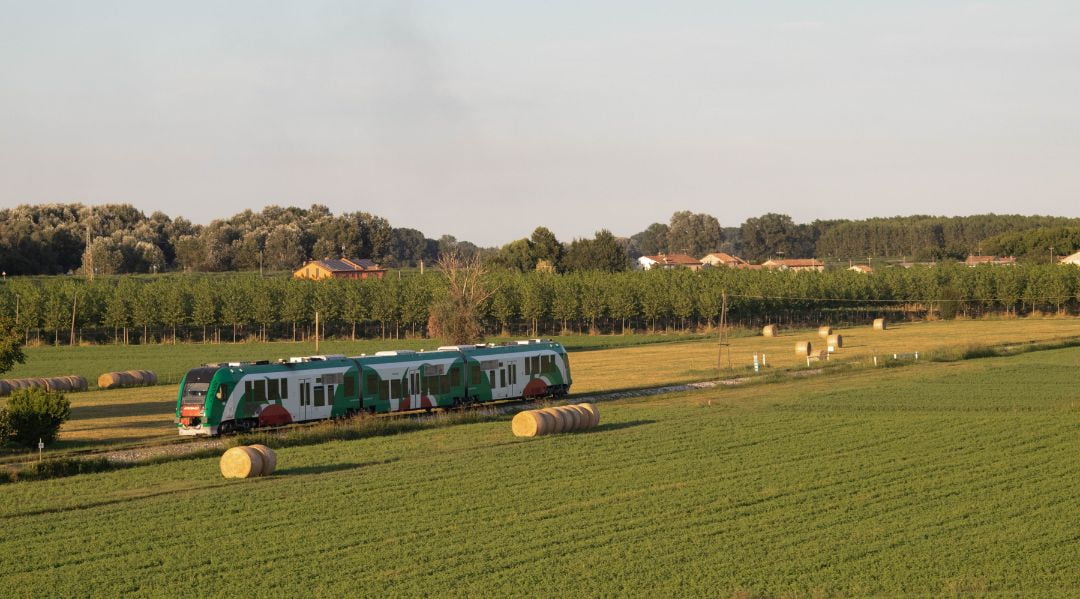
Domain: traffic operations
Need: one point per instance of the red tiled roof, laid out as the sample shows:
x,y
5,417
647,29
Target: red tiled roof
x,y
725,257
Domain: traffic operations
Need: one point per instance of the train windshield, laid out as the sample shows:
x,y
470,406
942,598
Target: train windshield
x,y
195,393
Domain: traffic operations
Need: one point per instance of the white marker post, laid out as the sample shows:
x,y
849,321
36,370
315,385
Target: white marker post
x,y
40,447
756,366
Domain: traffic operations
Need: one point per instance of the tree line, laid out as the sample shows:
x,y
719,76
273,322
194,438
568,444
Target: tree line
x,y
172,308
118,238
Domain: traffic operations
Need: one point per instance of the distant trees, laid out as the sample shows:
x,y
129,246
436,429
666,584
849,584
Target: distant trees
x,y
694,234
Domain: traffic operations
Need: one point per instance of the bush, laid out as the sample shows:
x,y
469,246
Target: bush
x,y
34,414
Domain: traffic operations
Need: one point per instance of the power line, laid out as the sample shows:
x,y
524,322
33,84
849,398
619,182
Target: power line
x,y
895,301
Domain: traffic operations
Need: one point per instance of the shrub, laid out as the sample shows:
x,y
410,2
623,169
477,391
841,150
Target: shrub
x,y
34,414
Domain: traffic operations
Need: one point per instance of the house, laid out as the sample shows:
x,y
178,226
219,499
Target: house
x,y
796,264
344,268
668,261
1073,259
865,269
723,259
992,260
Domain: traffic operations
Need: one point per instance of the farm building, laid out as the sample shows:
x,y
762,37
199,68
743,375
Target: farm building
x,y
974,261
723,259
345,268
796,264
1073,259
668,261
865,269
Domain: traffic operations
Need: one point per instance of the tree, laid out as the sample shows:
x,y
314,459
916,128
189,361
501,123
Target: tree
x,y
545,246
516,255
694,234
10,345
205,306
652,241
455,317
34,414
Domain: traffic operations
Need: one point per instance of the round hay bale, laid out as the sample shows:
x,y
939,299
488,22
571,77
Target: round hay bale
x,y
592,409
136,377
824,331
584,417
241,462
559,424
836,340
769,330
5,388
269,458
527,424
571,416
547,422
41,383
15,384
77,383
149,378
57,384
109,380
803,348
879,324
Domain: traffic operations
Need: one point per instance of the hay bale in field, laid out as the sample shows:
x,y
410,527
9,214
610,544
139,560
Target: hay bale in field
x,y
5,388
592,409
584,417
879,324
41,383
149,377
530,423
559,423
136,377
269,458
824,331
803,348
109,380
76,382
571,416
57,384
548,422
241,462
769,330
836,341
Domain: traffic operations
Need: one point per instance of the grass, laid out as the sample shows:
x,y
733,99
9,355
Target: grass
x,y
954,478
140,415
170,362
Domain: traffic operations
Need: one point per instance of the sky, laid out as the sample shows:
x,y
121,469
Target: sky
x,y
484,119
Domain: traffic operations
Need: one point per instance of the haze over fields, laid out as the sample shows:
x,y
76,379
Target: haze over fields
x,y
485,119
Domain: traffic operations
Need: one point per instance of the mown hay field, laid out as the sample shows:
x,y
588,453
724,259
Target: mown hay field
x,y
146,414
938,479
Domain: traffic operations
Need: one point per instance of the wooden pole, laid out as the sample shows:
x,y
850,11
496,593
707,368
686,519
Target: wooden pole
x,y
74,304
316,332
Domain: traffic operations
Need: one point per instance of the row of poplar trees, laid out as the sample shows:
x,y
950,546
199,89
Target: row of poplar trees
x,y
171,308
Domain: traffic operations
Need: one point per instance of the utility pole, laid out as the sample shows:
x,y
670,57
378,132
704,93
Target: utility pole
x,y
720,339
88,265
316,332
74,304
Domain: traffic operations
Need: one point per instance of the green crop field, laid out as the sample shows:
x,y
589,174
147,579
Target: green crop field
x,y
937,479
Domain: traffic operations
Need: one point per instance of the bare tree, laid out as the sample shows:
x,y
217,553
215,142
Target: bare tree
x,y
456,316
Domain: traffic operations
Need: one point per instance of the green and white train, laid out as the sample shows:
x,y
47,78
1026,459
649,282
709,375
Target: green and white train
x,y
221,398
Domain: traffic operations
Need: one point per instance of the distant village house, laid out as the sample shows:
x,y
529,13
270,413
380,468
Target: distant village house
x,y
668,261
796,264
1074,259
345,268
724,259
865,269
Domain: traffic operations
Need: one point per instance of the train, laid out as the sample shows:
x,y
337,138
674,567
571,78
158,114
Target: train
x,y
217,399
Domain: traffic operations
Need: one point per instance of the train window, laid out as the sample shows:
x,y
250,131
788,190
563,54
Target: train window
x,y
445,379
424,387
405,386
247,390
259,390
395,389
502,377
320,396
474,376
329,395
284,385
535,364
513,374
491,378
372,382
272,389
528,365
350,385
455,377
222,393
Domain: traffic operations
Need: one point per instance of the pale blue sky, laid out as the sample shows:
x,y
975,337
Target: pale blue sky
x,y
484,119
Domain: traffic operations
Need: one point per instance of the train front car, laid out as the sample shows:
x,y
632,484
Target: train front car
x,y
195,413
220,399
523,369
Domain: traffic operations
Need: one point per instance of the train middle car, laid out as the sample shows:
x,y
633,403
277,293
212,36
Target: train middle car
x,y
222,398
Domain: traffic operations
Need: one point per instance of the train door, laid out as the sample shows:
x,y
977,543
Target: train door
x,y
305,399
322,400
415,396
